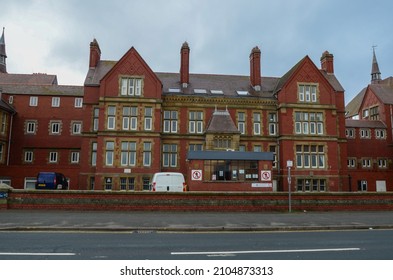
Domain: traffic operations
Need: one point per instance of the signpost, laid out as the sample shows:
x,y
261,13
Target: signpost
x,y
289,165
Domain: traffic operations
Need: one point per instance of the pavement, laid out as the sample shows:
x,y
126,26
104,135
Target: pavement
x,y
40,220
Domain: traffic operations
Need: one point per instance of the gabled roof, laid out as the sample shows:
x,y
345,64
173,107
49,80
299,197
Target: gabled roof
x,y
28,79
383,90
331,78
364,124
105,67
221,122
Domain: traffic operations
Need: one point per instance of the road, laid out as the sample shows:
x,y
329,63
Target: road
x,y
141,245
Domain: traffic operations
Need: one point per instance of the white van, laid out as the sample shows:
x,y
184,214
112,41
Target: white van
x,y
168,182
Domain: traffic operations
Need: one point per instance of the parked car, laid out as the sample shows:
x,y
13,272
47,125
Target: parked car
x,y
51,181
168,182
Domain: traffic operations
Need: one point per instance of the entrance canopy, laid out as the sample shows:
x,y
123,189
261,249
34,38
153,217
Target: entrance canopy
x,y
229,155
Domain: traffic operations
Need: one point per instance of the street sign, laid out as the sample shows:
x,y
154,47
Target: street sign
x,y
196,175
266,175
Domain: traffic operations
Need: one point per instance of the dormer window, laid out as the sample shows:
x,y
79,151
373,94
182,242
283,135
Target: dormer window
x,y
131,87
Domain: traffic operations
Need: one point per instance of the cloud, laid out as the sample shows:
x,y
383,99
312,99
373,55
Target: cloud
x,y
53,36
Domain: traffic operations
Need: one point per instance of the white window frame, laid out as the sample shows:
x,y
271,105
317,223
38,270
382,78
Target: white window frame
x,y
131,86
272,124
350,133
31,127
30,181
257,123
366,163
365,133
76,128
307,93
55,102
148,123
309,159
382,163
109,153
128,153
111,123
351,162
169,155
241,122
380,133
55,127
75,157
96,113
170,122
78,102
147,150
29,156
53,157
195,122
94,154
33,101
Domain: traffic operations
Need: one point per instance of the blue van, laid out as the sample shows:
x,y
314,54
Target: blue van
x,y
51,181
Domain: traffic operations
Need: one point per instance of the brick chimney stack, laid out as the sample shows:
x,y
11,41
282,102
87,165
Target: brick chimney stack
x,y
327,62
185,65
95,54
255,68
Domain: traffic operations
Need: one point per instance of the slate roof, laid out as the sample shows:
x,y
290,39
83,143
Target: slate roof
x,y
383,90
94,75
364,124
29,79
228,84
221,122
58,90
230,155
352,108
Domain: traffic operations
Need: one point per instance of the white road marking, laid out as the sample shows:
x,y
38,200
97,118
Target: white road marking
x,y
267,251
35,254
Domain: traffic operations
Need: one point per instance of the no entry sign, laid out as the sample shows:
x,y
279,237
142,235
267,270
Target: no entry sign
x,y
266,175
196,175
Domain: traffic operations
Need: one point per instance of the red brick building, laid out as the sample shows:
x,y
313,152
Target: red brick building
x,y
369,133
128,122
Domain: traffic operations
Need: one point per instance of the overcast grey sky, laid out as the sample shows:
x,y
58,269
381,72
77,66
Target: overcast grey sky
x,y
53,36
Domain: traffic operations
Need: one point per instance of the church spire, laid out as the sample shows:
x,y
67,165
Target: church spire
x,y
375,73
3,55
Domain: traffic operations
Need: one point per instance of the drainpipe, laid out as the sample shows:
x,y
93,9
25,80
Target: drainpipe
x,y
279,181
9,139
391,119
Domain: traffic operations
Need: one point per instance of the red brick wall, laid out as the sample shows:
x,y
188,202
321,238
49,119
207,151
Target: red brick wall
x,y
199,201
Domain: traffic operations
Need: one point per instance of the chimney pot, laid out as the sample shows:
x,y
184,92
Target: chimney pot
x,y
327,62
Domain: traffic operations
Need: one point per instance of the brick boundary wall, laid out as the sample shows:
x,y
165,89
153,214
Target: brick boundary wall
x,y
193,201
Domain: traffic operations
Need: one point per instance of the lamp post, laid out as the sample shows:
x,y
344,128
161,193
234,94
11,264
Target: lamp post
x,y
289,165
